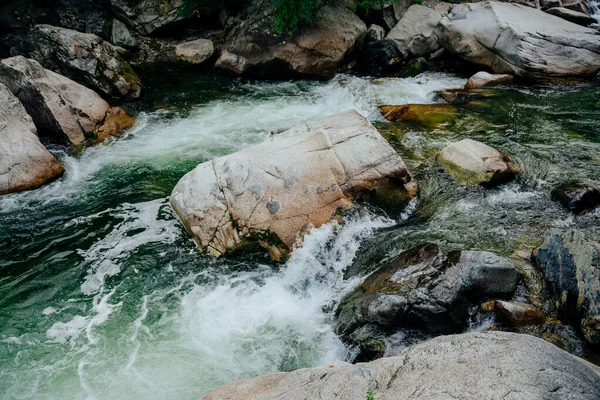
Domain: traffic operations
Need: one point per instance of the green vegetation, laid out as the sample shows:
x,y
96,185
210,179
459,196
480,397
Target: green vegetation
x,y
419,2
370,395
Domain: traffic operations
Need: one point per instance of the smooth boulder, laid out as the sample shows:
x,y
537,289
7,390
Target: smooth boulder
x,y
87,59
302,178
70,112
196,51
415,33
316,51
471,366
472,162
571,266
485,79
520,41
25,163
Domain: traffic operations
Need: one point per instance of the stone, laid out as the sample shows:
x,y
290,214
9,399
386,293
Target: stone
x,y
546,4
302,179
476,365
472,162
576,17
425,289
462,96
414,67
415,33
382,58
70,112
196,51
375,33
429,115
571,266
520,41
119,35
87,59
484,79
384,13
577,196
514,314
320,50
576,5
25,163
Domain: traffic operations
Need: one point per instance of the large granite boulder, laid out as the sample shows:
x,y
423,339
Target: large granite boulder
x,y
86,59
472,366
472,162
320,50
24,162
424,289
273,192
72,113
519,40
415,33
571,266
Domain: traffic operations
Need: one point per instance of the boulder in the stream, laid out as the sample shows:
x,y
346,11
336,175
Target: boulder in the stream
x,y
271,193
471,366
415,33
87,59
66,110
515,314
519,40
472,162
571,266
429,115
578,196
195,52
320,50
425,289
24,162
484,79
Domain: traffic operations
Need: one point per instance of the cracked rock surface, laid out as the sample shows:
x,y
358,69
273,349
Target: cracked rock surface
x,y
24,162
520,40
273,192
471,366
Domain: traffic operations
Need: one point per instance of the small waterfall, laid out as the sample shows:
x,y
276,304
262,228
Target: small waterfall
x,y
595,9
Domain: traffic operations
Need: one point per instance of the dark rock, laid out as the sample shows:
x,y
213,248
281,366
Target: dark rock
x,y
577,17
383,57
546,4
517,314
386,13
571,266
414,68
461,96
578,196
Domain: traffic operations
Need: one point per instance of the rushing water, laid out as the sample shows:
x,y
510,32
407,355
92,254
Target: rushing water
x,y
103,295
595,9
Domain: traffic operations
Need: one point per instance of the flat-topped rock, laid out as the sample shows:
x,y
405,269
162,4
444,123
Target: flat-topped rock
x,y
196,51
25,163
271,193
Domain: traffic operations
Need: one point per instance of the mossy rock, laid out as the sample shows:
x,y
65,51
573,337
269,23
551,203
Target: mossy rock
x,y
426,115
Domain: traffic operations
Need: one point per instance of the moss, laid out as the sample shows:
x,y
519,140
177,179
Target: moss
x,y
127,73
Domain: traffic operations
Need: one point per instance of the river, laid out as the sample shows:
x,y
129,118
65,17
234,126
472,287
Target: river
x,y
104,296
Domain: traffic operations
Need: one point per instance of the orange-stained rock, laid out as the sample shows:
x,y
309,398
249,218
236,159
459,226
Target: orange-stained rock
x,y
429,115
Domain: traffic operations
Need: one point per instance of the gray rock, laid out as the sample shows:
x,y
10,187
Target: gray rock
x,y
196,51
87,59
71,112
375,33
577,17
25,163
120,35
425,289
484,79
415,33
472,162
303,177
571,265
519,40
472,366
320,50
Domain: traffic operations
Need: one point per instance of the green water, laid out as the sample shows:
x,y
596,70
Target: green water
x,y
102,294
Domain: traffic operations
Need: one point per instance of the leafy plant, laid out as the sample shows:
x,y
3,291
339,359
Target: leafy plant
x,y
419,2
291,13
370,395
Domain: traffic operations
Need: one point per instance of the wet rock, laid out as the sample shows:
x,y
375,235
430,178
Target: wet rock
x,y
576,5
384,13
375,33
415,33
576,17
483,79
196,51
519,40
25,163
68,111
486,365
578,196
382,58
472,162
414,68
86,59
430,115
571,266
546,4
318,51
461,96
303,177
514,314
119,35
425,289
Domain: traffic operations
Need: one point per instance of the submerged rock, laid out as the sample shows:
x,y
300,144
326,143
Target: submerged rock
x,y
486,365
578,196
196,51
461,96
25,163
70,112
519,40
87,59
571,265
273,192
430,115
425,289
320,50
483,79
472,162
